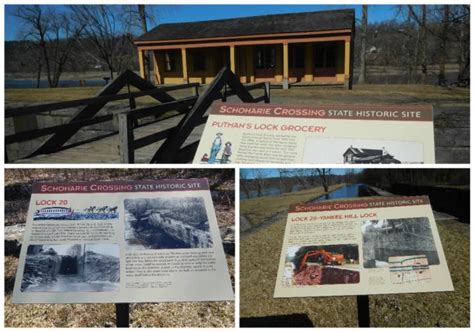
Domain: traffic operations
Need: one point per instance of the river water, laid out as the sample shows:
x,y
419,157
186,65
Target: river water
x,y
27,84
348,191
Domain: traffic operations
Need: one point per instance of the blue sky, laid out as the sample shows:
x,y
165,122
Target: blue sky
x,y
187,13
273,172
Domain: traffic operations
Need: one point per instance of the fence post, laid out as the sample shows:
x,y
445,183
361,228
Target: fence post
x,y
125,127
224,95
131,100
267,92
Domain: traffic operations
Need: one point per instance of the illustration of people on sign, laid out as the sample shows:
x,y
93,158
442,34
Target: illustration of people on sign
x,y
216,147
227,153
205,158
212,157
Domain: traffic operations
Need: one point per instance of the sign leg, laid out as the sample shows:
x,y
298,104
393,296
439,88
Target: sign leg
x,y
363,310
122,314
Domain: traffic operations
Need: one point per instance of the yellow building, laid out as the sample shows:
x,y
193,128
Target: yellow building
x,y
311,47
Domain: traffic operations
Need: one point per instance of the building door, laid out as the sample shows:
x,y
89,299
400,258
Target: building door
x,y
265,62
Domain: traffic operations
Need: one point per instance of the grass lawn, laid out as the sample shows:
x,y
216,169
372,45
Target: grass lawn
x,y
360,94
47,95
259,257
374,93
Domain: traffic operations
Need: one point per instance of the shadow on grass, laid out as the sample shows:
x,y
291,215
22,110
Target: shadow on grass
x,y
293,320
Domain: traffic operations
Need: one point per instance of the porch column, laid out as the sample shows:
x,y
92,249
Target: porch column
x,y
156,68
250,68
308,62
141,63
347,63
285,66
232,58
184,65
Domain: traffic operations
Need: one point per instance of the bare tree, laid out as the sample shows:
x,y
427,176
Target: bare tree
x,y
363,41
137,17
300,176
143,17
286,185
464,36
244,182
259,181
324,174
108,37
424,43
54,35
443,48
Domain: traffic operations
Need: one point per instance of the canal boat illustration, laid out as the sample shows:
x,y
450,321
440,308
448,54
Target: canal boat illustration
x,y
53,213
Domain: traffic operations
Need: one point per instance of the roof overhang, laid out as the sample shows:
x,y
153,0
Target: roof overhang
x,y
296,37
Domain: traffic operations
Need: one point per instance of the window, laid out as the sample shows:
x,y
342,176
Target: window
x,y
266,57
296,56
170,61
199,61
325,55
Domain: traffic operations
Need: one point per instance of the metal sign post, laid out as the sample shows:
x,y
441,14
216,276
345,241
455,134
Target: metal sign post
x,y
122,314
363,310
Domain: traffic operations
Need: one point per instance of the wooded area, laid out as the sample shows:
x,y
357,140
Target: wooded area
x,y
419,42
293,180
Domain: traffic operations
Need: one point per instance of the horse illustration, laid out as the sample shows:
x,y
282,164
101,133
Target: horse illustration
x,y
102,209
112,209
90,209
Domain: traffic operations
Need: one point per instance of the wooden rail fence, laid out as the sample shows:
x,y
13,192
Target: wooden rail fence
x,y
194,107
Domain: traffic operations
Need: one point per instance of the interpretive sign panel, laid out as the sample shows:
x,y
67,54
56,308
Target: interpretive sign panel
x,y
366,246
322,134
123,241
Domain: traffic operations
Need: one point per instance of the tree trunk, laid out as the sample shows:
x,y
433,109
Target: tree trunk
x,y
464,53
323,175
443,46
38,74
363,32
46,60
424,67
142,14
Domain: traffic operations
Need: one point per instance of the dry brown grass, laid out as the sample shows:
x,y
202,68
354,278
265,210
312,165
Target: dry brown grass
x,y
373,93
381,93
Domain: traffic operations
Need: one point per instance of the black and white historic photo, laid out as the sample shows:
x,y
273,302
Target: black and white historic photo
x,y
72,268
361,151
385,238
166,223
